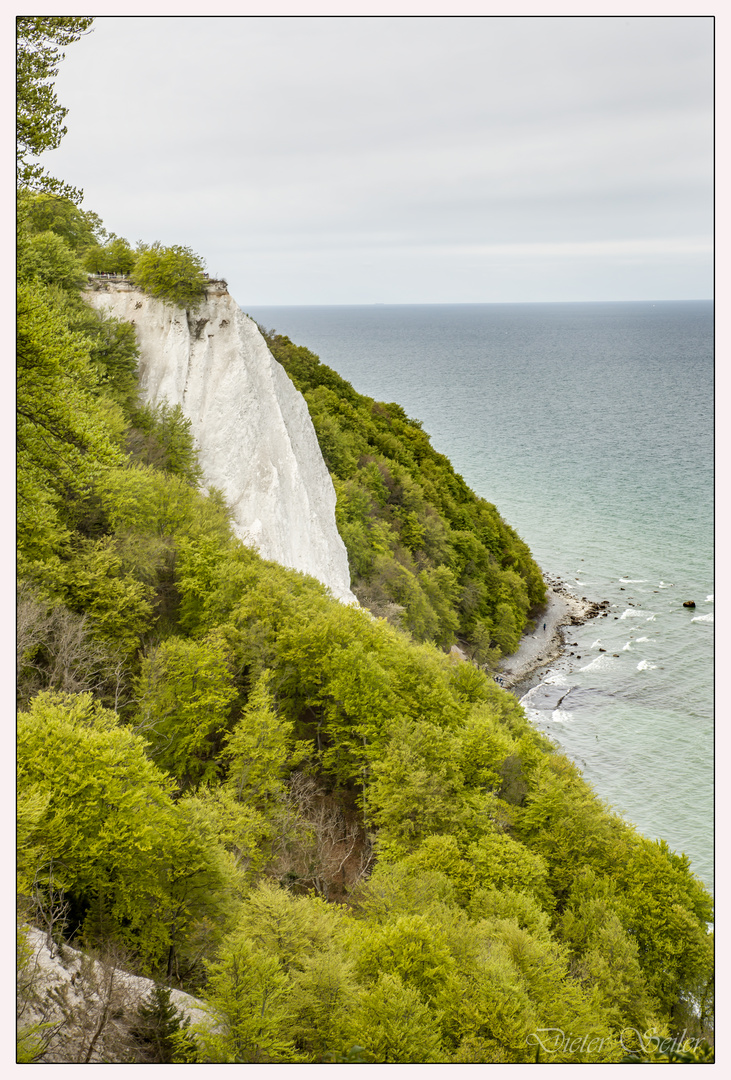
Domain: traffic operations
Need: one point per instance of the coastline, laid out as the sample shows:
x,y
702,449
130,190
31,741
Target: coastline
x,y
542,646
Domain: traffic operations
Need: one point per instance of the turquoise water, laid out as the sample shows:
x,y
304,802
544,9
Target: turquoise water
x,y
590,427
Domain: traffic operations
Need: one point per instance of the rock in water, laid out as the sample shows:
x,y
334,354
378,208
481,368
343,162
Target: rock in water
x,y
252,427
689,603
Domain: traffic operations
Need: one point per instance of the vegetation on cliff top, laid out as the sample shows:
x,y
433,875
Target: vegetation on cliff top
x,y
351,845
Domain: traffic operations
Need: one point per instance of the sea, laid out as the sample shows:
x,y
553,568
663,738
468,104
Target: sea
x,y
590,427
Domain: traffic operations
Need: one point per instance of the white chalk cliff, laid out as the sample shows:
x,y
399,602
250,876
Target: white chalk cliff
x,y
252,428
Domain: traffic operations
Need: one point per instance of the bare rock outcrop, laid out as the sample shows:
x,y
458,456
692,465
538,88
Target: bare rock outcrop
x,y
254,434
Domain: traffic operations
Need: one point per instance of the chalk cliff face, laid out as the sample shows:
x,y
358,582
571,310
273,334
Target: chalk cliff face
x,y
255,438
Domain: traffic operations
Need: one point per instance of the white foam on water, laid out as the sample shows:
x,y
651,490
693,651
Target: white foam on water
x,y
639,639
633,580
561,716
557,680
632,613
600,664
596,644
645,665
704,618
650,619
709,599
627,647
666,585
528,696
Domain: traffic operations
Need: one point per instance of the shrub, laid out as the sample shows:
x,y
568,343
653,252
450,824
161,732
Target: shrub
x,y
171,273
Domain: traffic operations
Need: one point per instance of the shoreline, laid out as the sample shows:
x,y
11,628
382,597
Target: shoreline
x,y
542,646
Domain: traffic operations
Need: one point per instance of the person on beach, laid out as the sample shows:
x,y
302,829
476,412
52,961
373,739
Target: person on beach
x,y
544,626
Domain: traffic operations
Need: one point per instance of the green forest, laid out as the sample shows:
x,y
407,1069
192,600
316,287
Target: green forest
x,y
349,844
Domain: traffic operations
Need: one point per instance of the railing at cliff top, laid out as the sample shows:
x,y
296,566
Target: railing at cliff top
x,y
127,278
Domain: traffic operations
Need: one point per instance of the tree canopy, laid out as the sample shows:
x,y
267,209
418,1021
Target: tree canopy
x,y
173,273
351,844
40,116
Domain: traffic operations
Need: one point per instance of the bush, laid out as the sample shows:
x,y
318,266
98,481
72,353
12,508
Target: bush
x,y
171,273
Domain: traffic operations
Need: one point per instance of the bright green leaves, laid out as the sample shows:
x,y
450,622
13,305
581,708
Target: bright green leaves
x,y
114,257
416,789
668,914
185,693
39,116
108,806
47,258
162,437
393,1024
248,995
265,984
133,865
258,751
408,947
119,607
171,273
63,442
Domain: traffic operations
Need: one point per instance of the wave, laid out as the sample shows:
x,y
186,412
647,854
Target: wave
x,y
651,639
600,664
704,618
557,680
645,665
634,580
632,613
650,619
666,585
627,647
709,599
561,716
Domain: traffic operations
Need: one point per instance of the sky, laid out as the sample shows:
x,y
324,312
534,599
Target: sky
x,y
346,160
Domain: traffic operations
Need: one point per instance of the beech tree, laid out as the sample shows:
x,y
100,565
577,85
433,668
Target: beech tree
x,y
63,439
185,695
134,866
39,117
108,814
173,273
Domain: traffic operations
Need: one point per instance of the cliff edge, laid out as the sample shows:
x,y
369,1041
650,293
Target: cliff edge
x,y
252,427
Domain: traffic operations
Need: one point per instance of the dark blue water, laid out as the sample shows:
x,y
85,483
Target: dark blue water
x,y
590,427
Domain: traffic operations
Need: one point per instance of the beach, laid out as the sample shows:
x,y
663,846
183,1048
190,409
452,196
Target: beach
x,y
545,643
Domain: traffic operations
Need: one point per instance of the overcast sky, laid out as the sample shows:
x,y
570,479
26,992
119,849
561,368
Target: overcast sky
x,y
403,160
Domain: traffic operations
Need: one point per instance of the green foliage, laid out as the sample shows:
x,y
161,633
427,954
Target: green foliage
x,y
113,351
45,211
248,997
668,912
47,258
270,733
185,693
114,257
262,986
393,1024
161,437
157,1024
132,864
171,273
424,551
39,116
63,441
258,751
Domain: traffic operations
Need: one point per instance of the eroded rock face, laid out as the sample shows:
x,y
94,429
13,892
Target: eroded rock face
x,y
253,430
